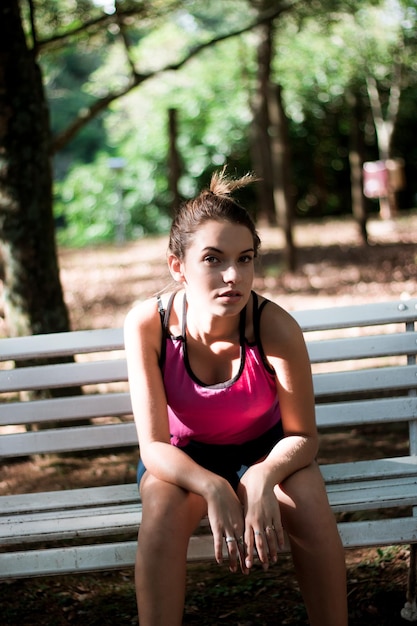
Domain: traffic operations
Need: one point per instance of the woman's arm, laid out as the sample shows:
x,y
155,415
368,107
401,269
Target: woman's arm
x,y
142,344
164,461
285,349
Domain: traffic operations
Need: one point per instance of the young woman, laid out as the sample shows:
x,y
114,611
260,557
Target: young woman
x,y
223,401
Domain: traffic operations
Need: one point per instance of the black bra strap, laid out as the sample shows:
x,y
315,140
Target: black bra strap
x,y
256,317
242,327
164,314
184,318
257,311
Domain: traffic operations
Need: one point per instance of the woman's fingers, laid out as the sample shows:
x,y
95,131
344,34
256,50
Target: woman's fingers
x,y
236,549
231,544
268,542
242,554
279,530
262,547
218,547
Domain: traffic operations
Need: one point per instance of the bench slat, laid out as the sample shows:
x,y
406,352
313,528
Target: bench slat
x,y
107,556
82,523
64,409
63,375
375,411
372,496
61,344
366,380
378,532
73,499
79,559
356,316
351,348
68,439
393,468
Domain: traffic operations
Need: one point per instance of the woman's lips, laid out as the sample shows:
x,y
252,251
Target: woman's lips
x,y
230,295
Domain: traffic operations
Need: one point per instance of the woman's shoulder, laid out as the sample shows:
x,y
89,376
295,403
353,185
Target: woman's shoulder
x,y
273,311
142,312
146,314
277,325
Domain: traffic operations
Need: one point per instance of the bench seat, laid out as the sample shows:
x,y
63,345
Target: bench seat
x,y
365,377
103,512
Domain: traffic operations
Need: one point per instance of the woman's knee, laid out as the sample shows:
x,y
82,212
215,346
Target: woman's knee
x,y
169,510
305,487
304,504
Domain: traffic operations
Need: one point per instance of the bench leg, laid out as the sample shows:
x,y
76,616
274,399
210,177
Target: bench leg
x,y
409,612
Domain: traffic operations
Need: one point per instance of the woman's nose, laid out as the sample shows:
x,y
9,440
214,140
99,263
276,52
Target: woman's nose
x,y
231,274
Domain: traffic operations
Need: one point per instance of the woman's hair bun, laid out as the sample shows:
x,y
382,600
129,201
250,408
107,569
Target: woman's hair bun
x,y
223,185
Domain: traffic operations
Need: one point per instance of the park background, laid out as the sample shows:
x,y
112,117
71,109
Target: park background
x,y
143,103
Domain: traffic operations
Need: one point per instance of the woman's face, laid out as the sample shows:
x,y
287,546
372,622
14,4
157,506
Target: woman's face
x,y
218,268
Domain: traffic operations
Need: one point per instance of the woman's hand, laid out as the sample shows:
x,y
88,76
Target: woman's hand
x,y
226,519
263,526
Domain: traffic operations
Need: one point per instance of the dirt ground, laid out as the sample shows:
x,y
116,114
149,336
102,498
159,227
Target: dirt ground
x,y
333,268
100,285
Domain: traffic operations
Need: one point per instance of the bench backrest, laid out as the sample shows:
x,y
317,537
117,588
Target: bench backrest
x,y
363,359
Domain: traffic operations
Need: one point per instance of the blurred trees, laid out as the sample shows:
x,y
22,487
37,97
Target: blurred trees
x,y
279,86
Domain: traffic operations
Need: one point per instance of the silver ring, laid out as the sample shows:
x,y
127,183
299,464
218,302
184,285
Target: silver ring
x,y
269,528
258,532
230,539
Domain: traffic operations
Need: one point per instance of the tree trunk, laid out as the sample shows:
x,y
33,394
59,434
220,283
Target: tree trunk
x,y
261,146
385,129
174,161
281,161
33,295
356,160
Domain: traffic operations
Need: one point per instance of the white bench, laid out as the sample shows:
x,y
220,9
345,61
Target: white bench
x,y
365,374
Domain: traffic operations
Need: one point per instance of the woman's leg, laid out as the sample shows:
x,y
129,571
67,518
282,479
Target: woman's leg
x,y
316,547
169,517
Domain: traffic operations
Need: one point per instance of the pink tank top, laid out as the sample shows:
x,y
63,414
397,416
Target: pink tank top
x,y
233,412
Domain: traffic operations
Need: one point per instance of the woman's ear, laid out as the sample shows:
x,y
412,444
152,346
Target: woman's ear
x,y
176,268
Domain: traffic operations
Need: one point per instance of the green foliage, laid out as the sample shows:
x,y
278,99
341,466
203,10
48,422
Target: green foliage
x,y
91,201
319,62
319,58
213,118
65,77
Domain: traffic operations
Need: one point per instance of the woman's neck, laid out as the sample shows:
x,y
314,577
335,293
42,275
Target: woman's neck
x,y
209,329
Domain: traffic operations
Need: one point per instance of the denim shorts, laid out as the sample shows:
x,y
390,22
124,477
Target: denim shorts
x,y
229,461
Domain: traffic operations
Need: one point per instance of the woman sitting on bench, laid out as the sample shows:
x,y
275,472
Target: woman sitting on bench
x,y
222,395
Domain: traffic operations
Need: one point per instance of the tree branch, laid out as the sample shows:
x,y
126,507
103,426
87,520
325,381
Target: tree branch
x,y
375,100
93,24
35,45
136,79
125,38
395,93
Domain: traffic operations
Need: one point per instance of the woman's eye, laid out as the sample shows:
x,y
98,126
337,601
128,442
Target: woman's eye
x,y
210,259
246,259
